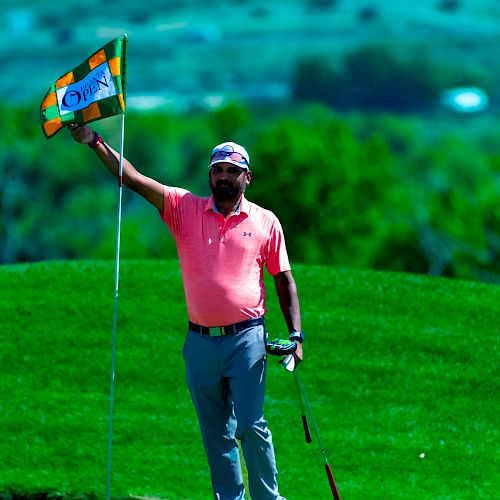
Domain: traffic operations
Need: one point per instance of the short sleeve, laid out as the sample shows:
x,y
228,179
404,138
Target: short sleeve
x,y
172,198
277,257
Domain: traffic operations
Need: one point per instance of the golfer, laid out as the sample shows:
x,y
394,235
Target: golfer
x,y
223,243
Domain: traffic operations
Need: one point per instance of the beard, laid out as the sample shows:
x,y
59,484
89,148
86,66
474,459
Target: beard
x,y
225,191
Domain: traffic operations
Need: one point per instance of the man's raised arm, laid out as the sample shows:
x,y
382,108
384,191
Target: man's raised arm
x,y
148,188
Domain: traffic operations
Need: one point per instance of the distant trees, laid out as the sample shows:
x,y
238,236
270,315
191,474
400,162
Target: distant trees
x,y
381,199
373,78
369,191
322,4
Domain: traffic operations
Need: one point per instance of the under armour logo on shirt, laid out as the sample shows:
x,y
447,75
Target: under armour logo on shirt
x,y
246,234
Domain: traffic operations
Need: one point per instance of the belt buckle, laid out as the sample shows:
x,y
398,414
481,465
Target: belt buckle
x,y
216,331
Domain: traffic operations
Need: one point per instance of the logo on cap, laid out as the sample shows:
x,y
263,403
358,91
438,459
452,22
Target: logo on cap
x,y
230,152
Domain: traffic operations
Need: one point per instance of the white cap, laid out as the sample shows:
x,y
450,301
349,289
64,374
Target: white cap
x,y
229,148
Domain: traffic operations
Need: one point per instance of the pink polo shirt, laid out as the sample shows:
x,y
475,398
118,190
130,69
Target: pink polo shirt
x,y
222,259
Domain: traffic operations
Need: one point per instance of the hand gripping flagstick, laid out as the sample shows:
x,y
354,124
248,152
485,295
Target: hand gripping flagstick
x,y
284,347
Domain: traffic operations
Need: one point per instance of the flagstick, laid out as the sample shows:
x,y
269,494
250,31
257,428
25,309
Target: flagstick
x,y
117,271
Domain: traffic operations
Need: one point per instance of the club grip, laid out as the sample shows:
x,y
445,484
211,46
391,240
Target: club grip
x,y
307,434
333,486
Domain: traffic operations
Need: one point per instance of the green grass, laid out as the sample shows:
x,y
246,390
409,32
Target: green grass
x,y
396,365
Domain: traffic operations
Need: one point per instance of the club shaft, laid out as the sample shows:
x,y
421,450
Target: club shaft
x,y
308,407
331,480
307,434
305,425
303,396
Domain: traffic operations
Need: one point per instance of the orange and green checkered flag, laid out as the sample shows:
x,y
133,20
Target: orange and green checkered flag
x,y
92,91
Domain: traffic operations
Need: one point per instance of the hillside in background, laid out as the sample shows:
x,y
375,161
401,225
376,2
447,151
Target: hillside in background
x,y
198,53
400,372
346,96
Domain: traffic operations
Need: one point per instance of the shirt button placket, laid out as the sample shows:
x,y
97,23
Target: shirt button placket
x,y
223,233
222,230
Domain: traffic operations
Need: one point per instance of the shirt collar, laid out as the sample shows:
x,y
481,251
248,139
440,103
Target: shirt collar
x,y
244,205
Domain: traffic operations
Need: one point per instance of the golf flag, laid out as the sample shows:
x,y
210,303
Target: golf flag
x,y
92,91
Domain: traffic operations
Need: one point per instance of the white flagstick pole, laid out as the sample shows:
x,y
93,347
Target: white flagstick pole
x,y
117,272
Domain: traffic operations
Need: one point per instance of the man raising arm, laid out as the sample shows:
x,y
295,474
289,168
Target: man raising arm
x,y
148,188
224,241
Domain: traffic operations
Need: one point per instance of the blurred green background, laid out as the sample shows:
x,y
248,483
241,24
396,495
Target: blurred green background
x,y
372,130
342,104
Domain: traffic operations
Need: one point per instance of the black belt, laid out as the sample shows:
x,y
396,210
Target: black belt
x,y
219,331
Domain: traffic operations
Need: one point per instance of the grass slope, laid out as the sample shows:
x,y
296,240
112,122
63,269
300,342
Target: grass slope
x,y
397,365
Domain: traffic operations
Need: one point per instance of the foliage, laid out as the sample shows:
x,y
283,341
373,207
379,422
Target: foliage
x,y
375,78
338,188
396,365
449,5
380,199
361,190
43,494
322,4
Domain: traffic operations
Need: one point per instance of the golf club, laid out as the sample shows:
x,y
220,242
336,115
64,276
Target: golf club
x,y
307,433
303,399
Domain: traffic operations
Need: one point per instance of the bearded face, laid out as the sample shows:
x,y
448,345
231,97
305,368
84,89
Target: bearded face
x,y
227,181
225,190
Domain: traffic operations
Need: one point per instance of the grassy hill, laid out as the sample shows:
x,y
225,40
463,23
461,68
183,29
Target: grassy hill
x,y
398,367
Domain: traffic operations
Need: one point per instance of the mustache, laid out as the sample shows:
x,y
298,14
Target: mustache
x,y
224,184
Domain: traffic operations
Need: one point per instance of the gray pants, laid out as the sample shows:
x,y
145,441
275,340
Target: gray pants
x,y
226,380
